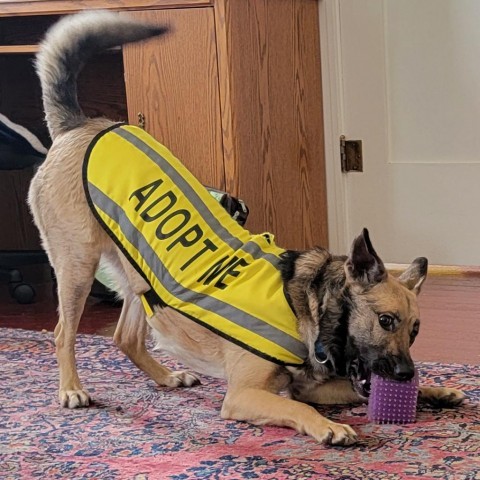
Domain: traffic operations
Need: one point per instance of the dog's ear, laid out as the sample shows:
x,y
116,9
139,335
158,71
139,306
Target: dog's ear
x,y
363,264
414,276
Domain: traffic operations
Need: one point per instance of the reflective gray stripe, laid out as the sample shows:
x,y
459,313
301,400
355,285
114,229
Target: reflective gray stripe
x,y
192,196
135,237
256,252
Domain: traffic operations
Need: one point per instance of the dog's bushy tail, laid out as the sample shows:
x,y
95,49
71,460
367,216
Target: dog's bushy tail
x,y
64,51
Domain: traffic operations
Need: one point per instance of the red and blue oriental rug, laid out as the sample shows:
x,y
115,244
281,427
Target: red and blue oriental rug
x,y
136,430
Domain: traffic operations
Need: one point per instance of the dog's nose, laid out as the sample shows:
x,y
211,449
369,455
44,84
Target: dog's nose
x,y
404,371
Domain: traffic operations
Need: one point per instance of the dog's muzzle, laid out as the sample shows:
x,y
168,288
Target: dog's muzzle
x,y
400,368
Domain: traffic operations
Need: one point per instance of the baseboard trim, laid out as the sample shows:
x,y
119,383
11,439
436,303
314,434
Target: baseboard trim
x,y
438,270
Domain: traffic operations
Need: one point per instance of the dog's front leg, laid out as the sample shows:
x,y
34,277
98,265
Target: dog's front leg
x,y
441,396
252,396
332,392
262,407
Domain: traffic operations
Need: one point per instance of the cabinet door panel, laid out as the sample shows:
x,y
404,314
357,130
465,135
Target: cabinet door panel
x,y
173,82
275,160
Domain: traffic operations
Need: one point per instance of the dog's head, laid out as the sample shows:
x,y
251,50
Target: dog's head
x,y
365,318
383,317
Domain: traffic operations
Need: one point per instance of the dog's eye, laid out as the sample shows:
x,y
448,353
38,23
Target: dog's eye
x,y
386,321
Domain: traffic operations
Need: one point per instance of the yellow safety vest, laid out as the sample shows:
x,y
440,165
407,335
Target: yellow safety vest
x,y
195,257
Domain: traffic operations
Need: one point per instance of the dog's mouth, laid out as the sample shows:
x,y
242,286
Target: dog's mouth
x,y
360,375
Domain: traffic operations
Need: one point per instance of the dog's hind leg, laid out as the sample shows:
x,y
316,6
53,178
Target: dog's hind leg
x,y
130,337
132,329
74,283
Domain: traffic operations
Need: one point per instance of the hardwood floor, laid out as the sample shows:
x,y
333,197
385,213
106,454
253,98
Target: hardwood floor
x,y
98,317
450,313
450,316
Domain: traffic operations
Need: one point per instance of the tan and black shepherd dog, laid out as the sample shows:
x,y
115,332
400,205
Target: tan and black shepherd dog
x,y
364,319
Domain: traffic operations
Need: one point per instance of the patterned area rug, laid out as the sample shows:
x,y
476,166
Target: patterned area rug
x,y
136,430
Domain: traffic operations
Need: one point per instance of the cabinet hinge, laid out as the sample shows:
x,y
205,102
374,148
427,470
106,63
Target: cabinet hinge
x,y
351,155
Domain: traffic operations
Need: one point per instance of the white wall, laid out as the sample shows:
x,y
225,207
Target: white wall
x,y
404,76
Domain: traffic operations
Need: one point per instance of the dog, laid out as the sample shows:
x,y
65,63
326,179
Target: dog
x,y
352,316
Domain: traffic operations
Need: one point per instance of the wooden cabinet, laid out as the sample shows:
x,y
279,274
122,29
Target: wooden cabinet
x,y
234,91
173,82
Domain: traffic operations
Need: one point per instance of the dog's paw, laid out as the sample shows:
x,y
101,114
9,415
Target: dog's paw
x,y
441,397
74,398
332,433
182,379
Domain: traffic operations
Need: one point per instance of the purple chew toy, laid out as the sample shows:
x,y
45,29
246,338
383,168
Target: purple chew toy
x,y
391,401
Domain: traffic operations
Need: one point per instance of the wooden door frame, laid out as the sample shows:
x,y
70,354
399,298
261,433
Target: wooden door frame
x,y
333,102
